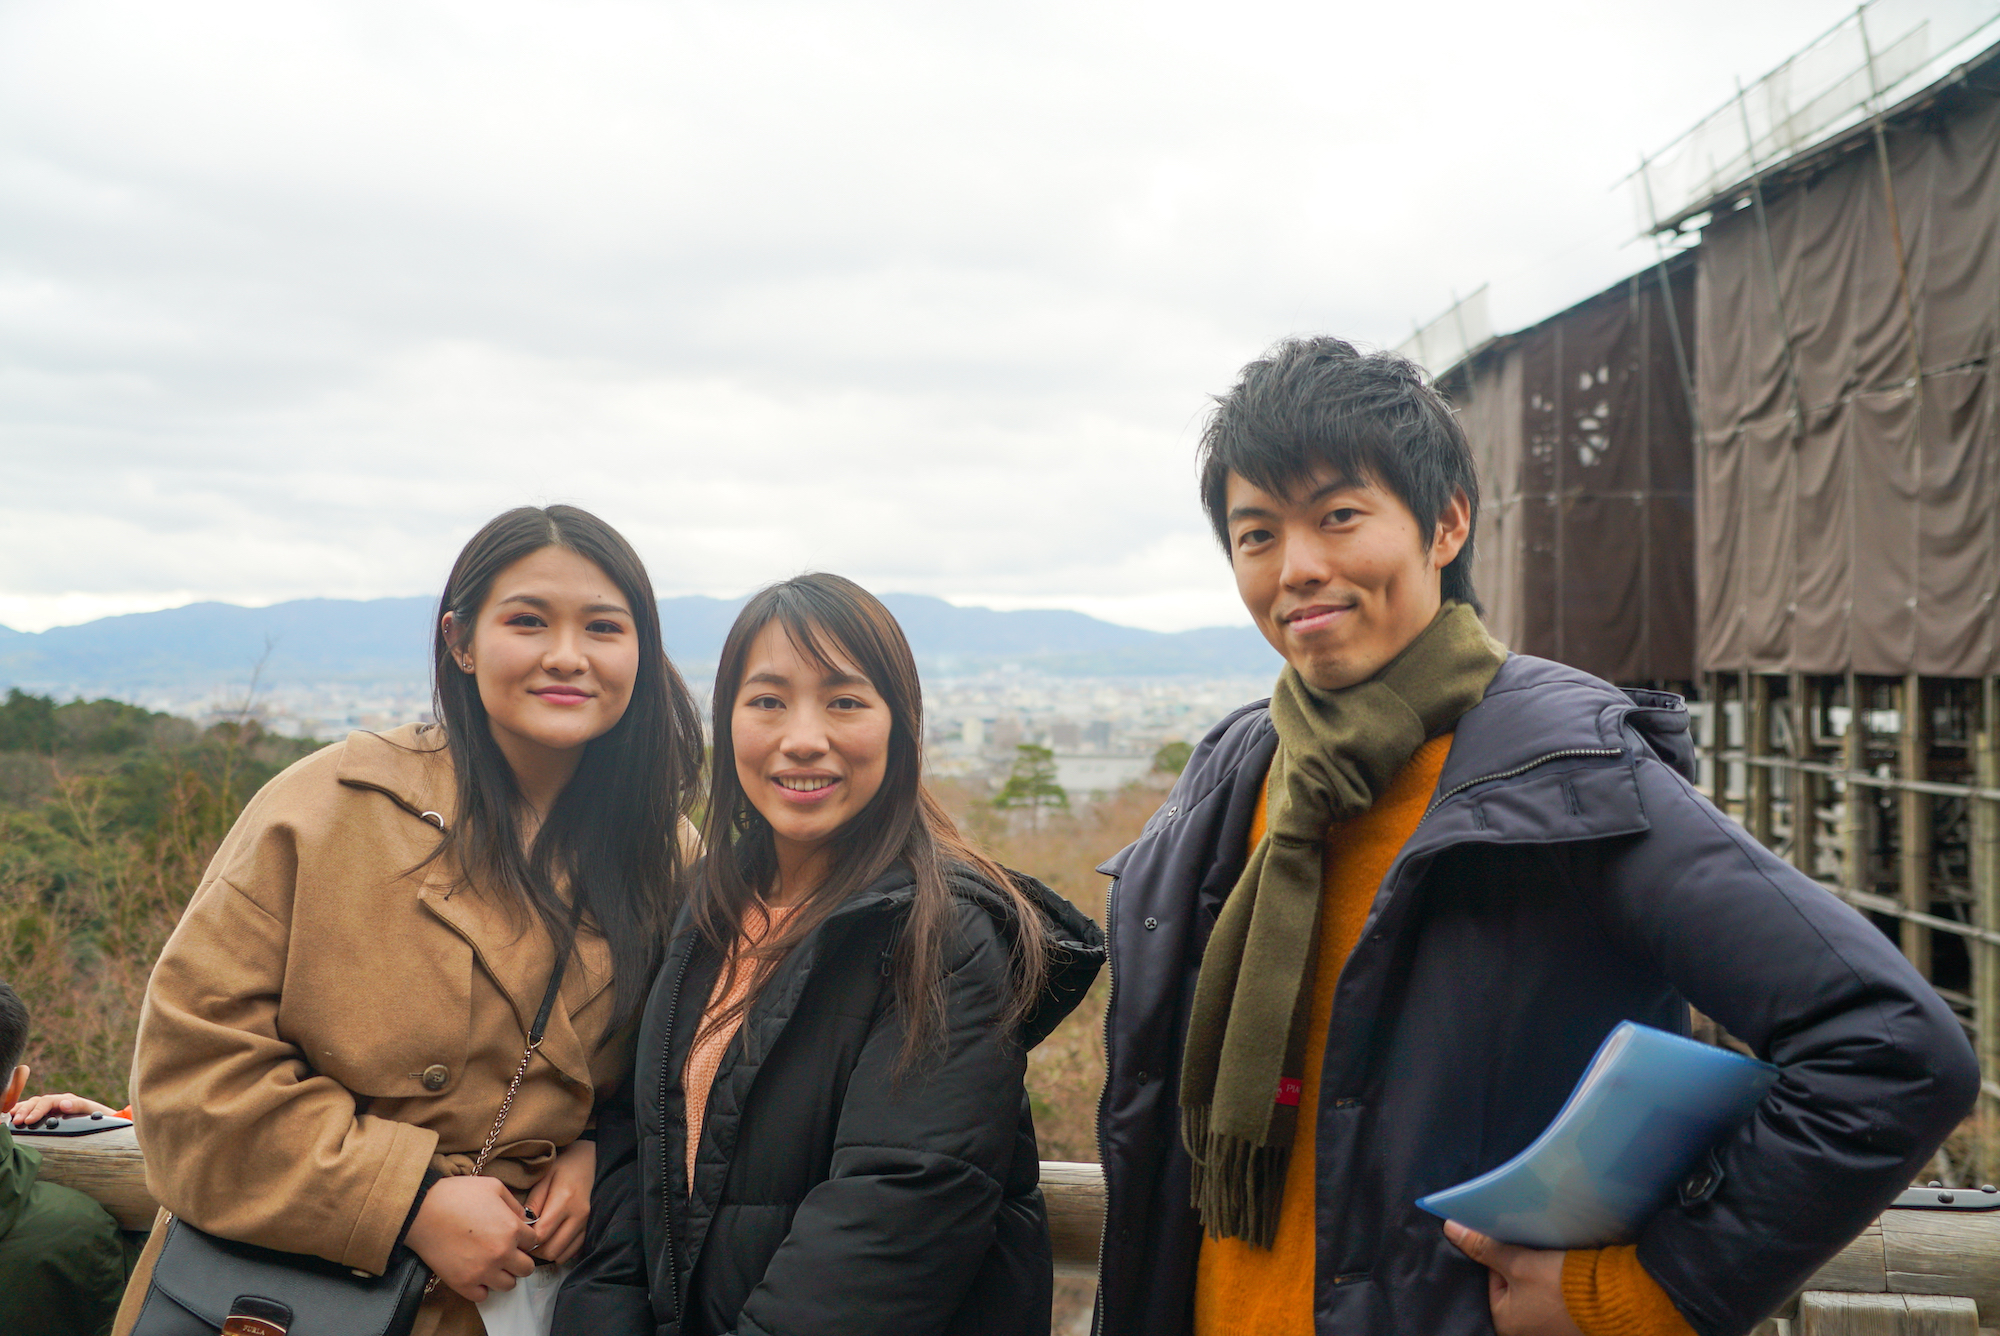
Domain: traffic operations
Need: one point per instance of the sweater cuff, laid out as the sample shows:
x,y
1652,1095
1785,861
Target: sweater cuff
x,y
1608,1293
431,1179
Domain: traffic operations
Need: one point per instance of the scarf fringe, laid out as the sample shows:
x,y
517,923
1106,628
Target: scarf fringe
x,y
1236,1187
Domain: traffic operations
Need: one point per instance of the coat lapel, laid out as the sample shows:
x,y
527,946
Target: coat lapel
x,y
518,956
410,765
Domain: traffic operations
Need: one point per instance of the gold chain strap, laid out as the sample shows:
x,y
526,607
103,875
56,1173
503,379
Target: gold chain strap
x,y
493,1136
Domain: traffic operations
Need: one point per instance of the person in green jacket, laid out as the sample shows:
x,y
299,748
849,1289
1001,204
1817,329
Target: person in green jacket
x,y
62,1264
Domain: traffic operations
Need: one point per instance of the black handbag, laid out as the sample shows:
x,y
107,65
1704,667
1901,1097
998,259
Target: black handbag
x,y
202,1283
200,1279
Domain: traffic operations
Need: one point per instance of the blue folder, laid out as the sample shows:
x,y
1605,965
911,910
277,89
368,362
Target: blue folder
x,y
1647,1107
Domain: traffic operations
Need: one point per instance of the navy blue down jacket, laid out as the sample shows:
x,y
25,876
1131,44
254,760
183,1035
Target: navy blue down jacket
x,y
1565,878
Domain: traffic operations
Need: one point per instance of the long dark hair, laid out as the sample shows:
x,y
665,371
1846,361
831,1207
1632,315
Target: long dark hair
x,y
612,837
826,615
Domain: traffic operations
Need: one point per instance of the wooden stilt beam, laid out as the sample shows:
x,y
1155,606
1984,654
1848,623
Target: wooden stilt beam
x,y
1716,741
1985,869
1803,784
1730,729
1914,867
1854,874
1757,744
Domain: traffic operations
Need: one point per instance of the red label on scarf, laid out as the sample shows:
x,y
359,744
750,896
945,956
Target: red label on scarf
x,y
1289,1090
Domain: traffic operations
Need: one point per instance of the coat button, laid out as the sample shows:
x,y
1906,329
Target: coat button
x,y
1151,923
435,1076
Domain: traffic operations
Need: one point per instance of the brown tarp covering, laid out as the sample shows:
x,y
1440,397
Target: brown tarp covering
x,y
1580,429
1866,540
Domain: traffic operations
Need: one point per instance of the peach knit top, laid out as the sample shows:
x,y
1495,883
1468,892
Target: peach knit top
x,y
705,1056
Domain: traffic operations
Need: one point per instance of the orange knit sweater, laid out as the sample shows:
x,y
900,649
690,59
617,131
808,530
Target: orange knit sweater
x,y
1245,1291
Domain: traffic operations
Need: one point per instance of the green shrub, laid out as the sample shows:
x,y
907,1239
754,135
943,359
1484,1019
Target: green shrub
x,y
108,814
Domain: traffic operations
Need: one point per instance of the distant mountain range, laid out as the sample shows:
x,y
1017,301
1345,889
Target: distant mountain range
x,y
388,640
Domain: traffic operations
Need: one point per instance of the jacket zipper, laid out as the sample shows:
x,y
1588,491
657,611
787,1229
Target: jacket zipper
x,y
1517,770
666,1150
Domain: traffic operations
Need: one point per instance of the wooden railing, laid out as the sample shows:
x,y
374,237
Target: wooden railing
x,y
1911,1271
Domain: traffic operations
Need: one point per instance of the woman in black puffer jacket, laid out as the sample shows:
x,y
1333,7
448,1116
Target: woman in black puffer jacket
x,y
842,1024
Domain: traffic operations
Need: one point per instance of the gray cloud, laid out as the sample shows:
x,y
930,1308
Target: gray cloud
x,y
293,296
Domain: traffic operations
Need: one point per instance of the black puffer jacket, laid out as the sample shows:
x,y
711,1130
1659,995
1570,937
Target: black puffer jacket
x,y
831,1195
1566,877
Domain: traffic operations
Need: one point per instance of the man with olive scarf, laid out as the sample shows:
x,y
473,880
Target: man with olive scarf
x,y
1375,934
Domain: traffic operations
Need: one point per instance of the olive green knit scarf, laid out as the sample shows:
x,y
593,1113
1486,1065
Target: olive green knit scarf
x,y
1246,1042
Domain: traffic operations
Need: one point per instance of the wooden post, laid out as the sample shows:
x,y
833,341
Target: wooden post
x,y
1914,870
1803,789
1985,869
1756,747
1937,1252
1830,1313
1853,815
1729,737
1712,745
104,1166
1073,1195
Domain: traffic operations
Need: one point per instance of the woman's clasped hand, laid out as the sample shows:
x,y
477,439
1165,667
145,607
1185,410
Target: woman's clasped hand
x,y
474,1235
559,1205
477,1237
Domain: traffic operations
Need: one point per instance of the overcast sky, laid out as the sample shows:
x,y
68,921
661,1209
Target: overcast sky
x,y
294,296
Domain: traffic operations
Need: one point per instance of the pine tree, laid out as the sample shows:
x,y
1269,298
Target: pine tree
x,y
1172,757
1032,783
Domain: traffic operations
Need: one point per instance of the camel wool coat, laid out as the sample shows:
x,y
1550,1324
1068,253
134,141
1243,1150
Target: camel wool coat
x,y
326,1023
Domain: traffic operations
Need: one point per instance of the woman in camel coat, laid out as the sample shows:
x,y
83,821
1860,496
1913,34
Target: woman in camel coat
x,y
330,1032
